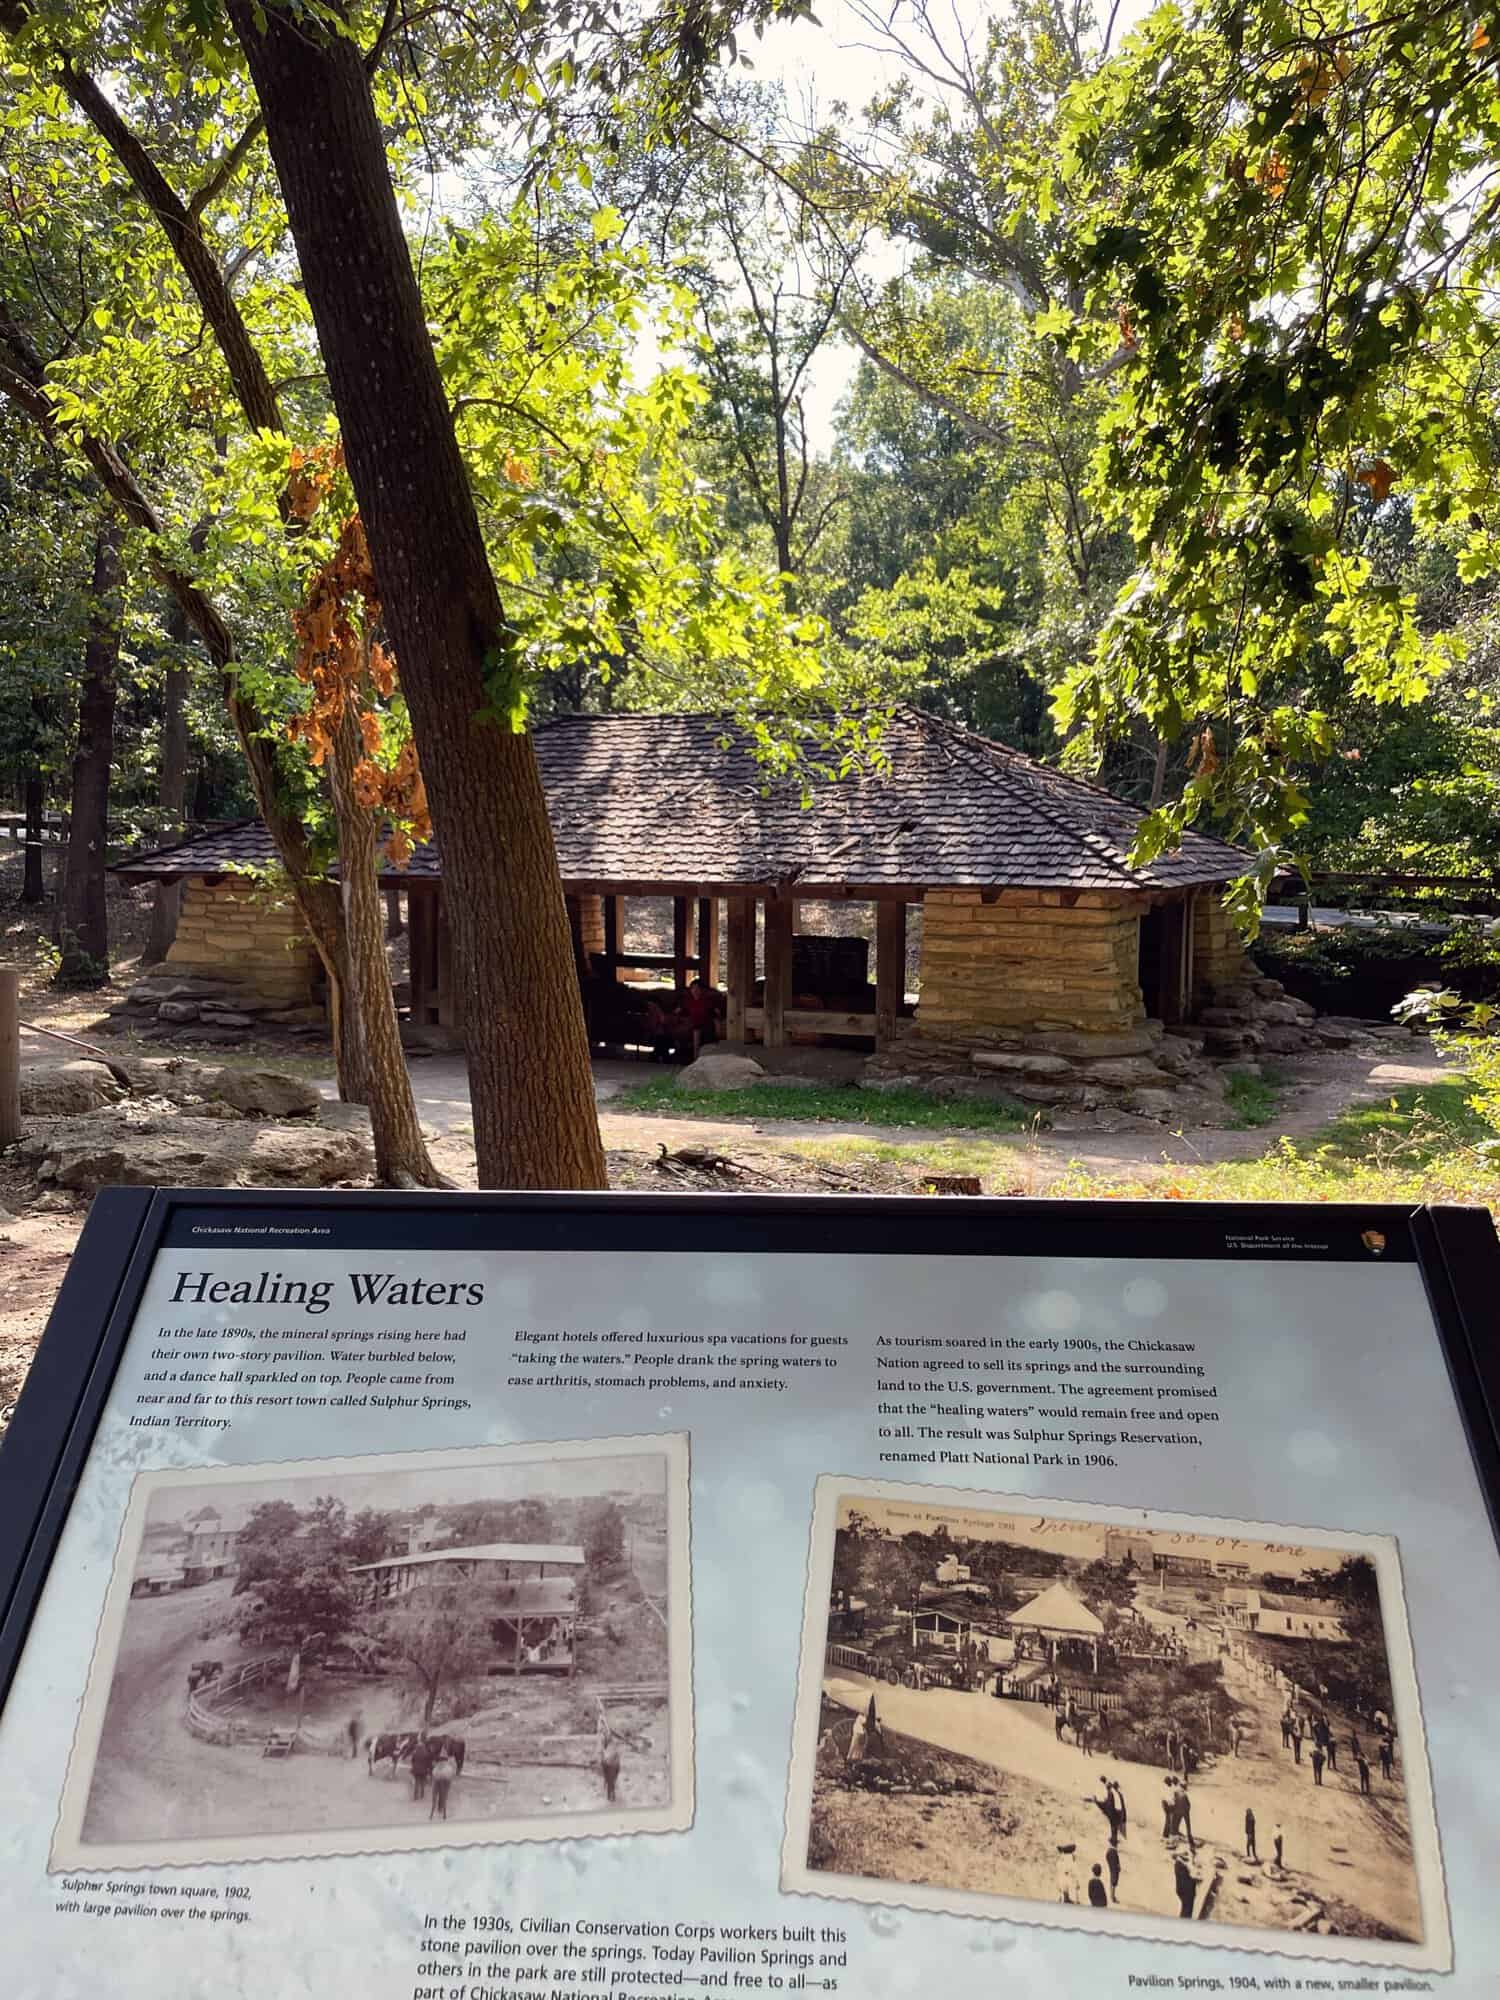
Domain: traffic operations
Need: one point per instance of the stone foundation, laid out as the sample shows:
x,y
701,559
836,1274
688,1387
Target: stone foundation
x,y
242,956
1036,996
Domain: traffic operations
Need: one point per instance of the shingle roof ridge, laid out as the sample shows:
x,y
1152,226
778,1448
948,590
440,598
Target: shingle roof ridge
x,y
251,821
974,748
1008,754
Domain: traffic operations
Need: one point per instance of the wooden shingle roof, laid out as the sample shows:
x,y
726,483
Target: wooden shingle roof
x,y
680,803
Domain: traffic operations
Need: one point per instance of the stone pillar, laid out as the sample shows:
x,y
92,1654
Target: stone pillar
x,y
1030,962
1219,958
249,940
590,925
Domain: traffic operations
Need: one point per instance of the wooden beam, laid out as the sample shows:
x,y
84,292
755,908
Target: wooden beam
x,y
740,972
393,924
815,1021
679,942
778,969
421,910
614,930
708,939
890,970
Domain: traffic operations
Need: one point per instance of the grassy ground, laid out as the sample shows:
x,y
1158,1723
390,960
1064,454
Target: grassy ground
x,y
1419,1145
1252,1100
839,1104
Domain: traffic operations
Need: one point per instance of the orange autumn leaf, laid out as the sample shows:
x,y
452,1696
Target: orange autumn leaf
x,y
1273,174
517,471
1480,39
1379,478
1127,327
1203,754
369,729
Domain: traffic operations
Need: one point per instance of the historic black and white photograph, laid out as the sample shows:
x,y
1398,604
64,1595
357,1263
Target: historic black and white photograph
x,y
1131,1726
410,1651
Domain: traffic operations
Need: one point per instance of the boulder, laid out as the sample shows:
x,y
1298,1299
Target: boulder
x,y
1128,1073
66,1089
262,1093
1077,1042
1160,1104
1022,1063
225,1017
1280,1039
1333,1035
1177,1057
711,1072
162,1148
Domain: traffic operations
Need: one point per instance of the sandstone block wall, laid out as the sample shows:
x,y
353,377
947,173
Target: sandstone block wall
x,y
237,932
1033,959
1218,948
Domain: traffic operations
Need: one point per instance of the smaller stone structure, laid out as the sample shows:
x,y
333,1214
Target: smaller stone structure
x,y
241,956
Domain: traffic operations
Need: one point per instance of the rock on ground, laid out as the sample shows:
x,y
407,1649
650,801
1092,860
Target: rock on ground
x,y
66,1089
711,1072
252,1093
141,1144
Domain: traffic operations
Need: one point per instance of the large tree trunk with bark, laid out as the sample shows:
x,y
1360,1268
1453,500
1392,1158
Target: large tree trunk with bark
x,y
400,1151
83,921
171,792
34,803
529,1079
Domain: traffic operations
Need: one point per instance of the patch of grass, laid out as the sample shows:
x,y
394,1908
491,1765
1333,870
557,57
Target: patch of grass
x,y
1422,1144
821,1103
1252,1100
1421,1124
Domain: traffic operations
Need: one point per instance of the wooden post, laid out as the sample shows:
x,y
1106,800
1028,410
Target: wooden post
x,y
679,942
393,924
708,940
890,970
741,967
614,932
10,1056
778,968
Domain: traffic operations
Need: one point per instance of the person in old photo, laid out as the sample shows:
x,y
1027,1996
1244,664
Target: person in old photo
x,y
1196,1651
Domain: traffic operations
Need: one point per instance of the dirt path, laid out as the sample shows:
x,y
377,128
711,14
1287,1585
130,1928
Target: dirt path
x,y
1336,1842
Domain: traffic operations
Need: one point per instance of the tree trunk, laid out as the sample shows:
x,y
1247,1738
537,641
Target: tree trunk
x,y
83,921
171,794
33,884
400,1150
530,1085
23,378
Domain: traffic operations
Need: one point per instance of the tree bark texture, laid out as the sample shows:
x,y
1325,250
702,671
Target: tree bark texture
x,y
83,920
530,1084
400,1150
171,794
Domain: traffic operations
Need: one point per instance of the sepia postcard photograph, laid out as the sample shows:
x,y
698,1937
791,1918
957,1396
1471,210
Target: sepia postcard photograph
x,y
1143,1724
386,1653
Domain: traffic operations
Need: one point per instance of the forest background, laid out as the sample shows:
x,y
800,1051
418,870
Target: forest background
x,y
378,380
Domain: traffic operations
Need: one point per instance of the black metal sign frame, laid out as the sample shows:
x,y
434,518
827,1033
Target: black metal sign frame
x,y
52,1431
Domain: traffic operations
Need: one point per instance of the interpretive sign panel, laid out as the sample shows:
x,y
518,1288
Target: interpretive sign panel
x,y
472,1596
